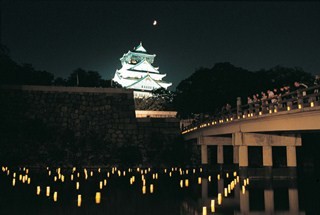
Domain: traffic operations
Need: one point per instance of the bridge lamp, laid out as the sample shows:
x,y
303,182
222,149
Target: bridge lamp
x,y
243,116
238,117
311,104
231,118
299,106
248,114
204,210
270,111
275,110
227,119
288,108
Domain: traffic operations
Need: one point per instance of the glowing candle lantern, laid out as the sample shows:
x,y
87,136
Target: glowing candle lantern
x,y
234,173
55,196
275,110
101,185
91,173
229,188
133,178
38,190
29,180
156,175
212,206
151,188
270,111
170,174
244,182
98,197
187,171
225,192
105,182
199,180
219,198
99,170
78,174
71,177
77,185
149,169
13,182
194,171
247,181
143,182
311,104
79,200
181,183
238,179
138,169
112,171
288,108
209,178
243,189
204,210
143,189
20,177
27,171
124,173
165,170
74,169
186,182
62,178
55,178
227,175
14,174
48,191
108,174
153,176
260,113
218,176
251,114
131,182
119,173
145,171
200,169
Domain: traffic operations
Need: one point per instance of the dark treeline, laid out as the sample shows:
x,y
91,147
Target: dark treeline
x,y
207,90
13,73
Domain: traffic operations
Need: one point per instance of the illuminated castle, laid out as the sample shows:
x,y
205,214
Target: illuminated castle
x,y
137,73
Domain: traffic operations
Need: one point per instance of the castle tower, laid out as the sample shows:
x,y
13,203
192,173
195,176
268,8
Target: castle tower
x,y
137,73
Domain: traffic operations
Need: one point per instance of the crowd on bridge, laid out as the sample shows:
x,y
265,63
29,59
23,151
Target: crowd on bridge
x,y
276,97
268,100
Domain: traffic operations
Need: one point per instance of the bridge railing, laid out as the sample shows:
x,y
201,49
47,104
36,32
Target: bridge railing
x,y
298,99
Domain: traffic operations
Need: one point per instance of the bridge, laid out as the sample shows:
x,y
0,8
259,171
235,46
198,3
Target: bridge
x,y
268,123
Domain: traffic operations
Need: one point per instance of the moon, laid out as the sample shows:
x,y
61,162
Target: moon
x,y
154,22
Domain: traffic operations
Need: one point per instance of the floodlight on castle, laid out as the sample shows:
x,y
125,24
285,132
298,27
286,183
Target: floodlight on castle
x,y
137,73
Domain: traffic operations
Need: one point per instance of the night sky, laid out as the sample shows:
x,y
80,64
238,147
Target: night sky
x,y
60,36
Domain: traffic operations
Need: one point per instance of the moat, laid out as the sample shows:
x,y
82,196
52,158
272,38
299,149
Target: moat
x,y
174,190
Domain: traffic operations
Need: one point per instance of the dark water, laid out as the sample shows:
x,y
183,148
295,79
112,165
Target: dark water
x,y
170,196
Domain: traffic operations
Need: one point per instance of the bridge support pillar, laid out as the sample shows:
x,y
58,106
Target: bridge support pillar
x,y
220,154
291,156
204,154
236,154
269,201
244,202
243,156
267,155
293,200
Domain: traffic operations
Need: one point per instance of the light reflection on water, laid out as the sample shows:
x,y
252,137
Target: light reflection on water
x,y
144,192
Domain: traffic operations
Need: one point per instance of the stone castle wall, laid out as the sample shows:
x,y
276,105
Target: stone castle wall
x,y
84,115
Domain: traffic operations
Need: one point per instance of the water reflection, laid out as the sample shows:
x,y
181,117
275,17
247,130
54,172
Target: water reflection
x,y
143,191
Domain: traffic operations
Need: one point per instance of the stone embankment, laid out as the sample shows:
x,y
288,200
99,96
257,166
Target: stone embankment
x,y
82,120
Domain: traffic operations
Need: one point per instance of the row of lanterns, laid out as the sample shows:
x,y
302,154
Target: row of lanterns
x,y
184,183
